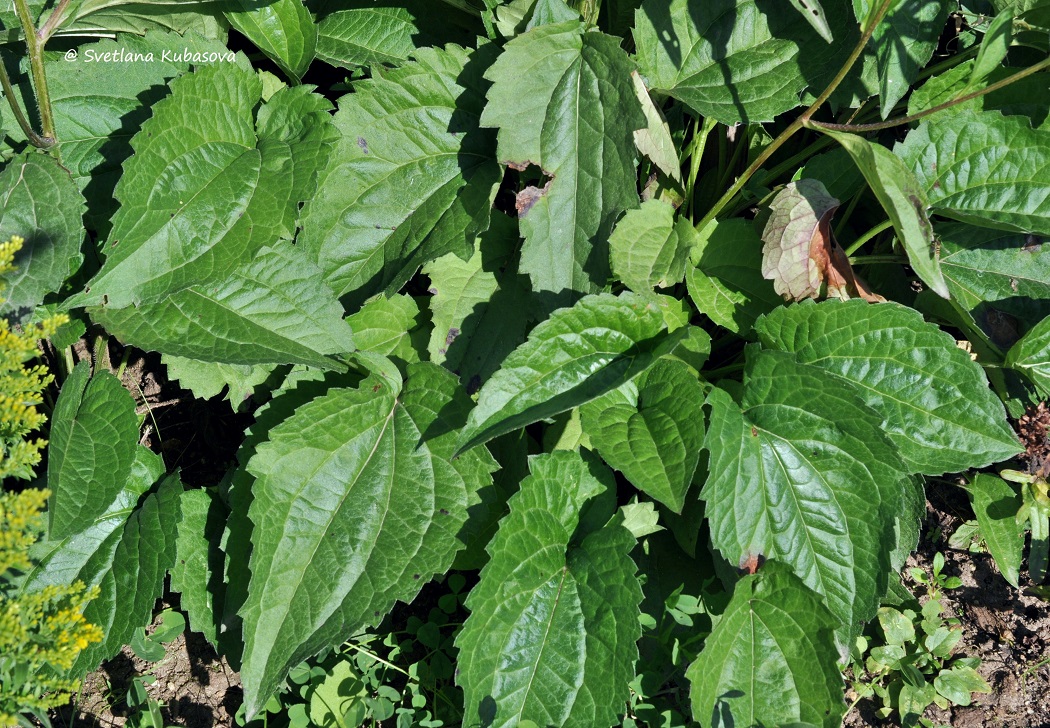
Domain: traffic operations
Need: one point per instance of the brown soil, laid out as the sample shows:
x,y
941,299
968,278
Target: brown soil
x,y
194,686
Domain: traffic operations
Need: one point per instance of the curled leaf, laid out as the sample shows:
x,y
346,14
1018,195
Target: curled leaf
x,y
800,254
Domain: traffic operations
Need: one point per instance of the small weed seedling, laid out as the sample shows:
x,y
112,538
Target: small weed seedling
x,y
907,661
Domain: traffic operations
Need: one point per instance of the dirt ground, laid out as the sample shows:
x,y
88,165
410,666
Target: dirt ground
x,y
194,686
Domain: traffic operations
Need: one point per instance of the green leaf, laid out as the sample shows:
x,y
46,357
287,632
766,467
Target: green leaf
x,y
993,50
650,430
814,14
351,513
210,186
272,310
836,171
41,204
654,141
983,168
362,33
197,575
209,379
987,265
649,248
903,199
132,578
903,44
282,29
97,110
440,407
577,354
478,305
959,682
564,101
125,551
727,283
93,17
733,60
996,503
1021,97
801,472
771,658
1031,355
935,402
93,445
412,178
383,326
554,618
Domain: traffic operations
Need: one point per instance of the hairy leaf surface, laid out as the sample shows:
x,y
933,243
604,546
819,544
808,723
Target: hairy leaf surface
x,y
351,513
564,101
771,658
574,356
935,402
801,472
554,620
412,177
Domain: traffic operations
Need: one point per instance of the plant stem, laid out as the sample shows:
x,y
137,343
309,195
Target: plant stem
x,y
48,28
701,130
875,259
803,118
5,81
792,163
861,128
35,48
867,236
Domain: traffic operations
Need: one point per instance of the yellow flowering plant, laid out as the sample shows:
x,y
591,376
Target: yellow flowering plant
x,y
42,633
21,385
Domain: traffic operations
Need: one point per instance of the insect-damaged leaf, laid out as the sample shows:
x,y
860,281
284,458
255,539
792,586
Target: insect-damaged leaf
x,y
564,101
800,254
